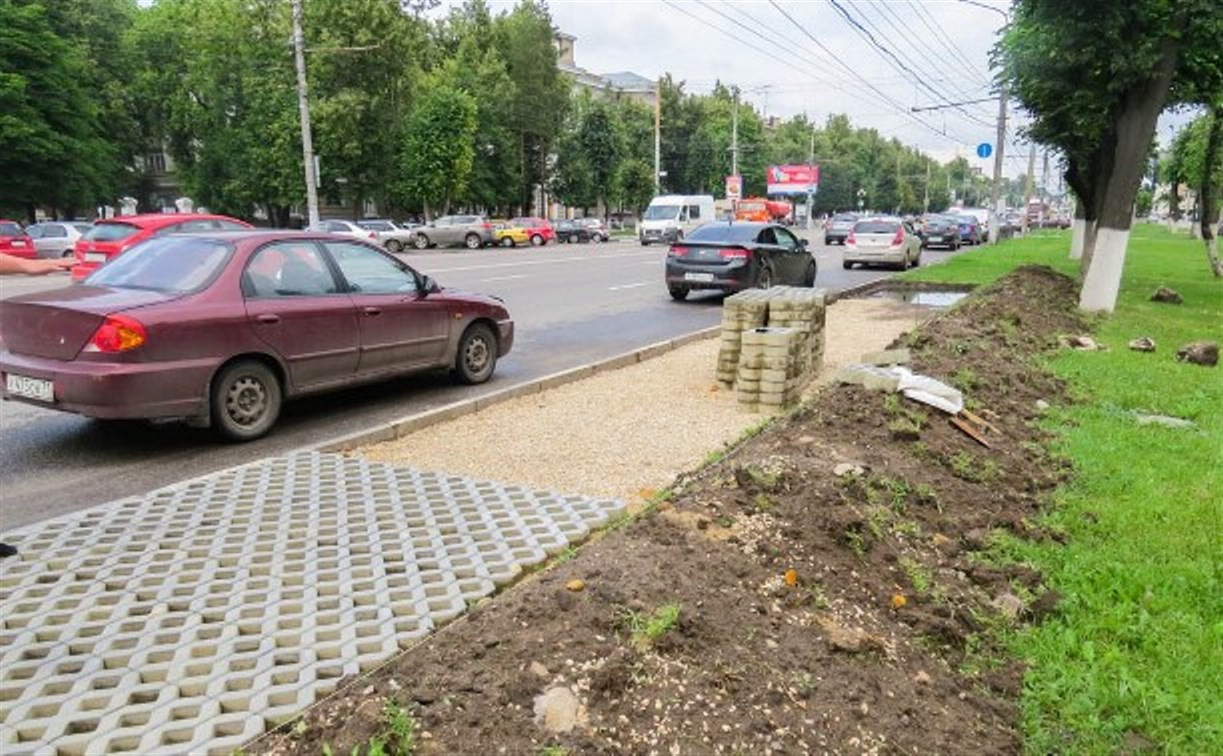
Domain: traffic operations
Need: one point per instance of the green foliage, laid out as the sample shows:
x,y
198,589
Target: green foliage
x,y
1135,645
438,152
647,629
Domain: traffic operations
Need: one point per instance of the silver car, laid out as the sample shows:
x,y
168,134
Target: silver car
x,y
394,236
471,231
57,238
344,228
882,241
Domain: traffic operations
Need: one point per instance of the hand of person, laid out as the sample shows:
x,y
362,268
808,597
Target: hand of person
x,y
17,265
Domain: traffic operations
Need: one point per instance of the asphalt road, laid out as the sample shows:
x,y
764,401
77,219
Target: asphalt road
x,y
572,304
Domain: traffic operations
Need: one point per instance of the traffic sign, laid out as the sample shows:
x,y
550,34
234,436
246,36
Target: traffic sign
x,y
984,150
734,187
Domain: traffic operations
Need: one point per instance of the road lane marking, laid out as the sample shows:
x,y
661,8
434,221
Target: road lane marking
x,y
522,263
629,286
503,278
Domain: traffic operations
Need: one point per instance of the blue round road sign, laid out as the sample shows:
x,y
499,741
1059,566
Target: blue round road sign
x,y
985,149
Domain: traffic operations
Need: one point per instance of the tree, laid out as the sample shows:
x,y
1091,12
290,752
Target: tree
x,y
53,149
438,148
1195,155
598,137
1094,80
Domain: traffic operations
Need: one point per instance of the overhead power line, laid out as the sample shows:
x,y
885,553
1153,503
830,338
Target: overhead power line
x,y
897,63
935,29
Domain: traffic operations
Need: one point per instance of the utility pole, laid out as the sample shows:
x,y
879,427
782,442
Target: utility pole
x,y
657,136
734,136
303,107
1027,186
995,195
898,193
926,199
810,187
1044,186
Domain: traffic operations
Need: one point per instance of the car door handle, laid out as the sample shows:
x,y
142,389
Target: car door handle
x,y
372,311
268,318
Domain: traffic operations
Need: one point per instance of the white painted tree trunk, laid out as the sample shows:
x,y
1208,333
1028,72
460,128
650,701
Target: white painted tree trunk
x,y
1103,280
1078,232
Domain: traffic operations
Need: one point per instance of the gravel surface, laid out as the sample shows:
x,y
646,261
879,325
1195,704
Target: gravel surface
x,y
626,433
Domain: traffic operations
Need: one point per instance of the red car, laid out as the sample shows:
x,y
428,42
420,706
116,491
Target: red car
x,y
14,240
220,328
111,236
539,231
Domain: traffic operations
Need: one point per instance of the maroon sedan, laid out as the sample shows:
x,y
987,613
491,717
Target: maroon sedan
x,y
220,328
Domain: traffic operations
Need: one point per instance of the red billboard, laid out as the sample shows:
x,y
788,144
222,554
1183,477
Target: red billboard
x,y
793,179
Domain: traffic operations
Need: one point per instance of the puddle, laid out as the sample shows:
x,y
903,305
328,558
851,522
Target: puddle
x,y
933,299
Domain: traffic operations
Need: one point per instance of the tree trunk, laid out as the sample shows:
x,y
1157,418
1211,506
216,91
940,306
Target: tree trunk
x,y
1104,255
1207,199
1078,232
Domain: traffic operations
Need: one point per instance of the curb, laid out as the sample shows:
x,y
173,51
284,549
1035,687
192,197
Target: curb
x,y
421,420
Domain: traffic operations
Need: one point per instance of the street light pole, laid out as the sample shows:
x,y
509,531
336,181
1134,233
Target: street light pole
x,y
303,106
811,186
995,195
657,136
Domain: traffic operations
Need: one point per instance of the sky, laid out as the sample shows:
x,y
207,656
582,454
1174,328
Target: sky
x,y
815,62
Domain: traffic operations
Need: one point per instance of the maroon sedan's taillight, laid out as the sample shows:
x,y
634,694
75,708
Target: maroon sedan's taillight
x,y
118,333
734,253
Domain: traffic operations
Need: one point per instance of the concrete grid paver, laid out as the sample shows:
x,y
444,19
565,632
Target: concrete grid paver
x,y
192,618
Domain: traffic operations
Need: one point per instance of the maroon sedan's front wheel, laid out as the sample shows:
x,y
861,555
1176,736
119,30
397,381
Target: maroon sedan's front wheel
x,y
477,355
246,399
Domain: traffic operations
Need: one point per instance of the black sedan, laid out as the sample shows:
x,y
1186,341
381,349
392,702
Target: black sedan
x,y
940,231
731,256
571,231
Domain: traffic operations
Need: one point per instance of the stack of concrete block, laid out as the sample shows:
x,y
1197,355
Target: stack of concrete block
x,y
803,310
742,312
771,368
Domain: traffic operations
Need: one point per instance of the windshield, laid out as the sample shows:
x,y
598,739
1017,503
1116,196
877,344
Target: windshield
x,y
11,229
876,227
173,264
661,212
107,232
725,232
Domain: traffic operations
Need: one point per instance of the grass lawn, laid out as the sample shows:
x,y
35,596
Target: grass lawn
x,y
1135,656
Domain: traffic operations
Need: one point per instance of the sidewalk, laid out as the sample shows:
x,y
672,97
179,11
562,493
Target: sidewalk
x,y
195,617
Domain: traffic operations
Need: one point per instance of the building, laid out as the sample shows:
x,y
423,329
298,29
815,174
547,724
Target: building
x,y
623,83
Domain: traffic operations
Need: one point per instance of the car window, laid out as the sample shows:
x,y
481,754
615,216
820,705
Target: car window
x,y
169,264
225,225
35,231
338,227
368,271
288,269
876,227
200,224
110,232
767,237
11,229
54,232
730,232
785,238
82,228
694,212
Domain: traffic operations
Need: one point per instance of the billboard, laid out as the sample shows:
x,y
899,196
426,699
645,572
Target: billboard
x,y
793,179
734,187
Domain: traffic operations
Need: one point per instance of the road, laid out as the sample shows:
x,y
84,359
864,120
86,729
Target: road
x,y
572,304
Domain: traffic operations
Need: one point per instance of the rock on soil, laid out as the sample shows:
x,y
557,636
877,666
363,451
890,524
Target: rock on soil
x,y
1144,344
1164,294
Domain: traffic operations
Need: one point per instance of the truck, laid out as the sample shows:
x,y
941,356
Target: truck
x,y
670,216
764,210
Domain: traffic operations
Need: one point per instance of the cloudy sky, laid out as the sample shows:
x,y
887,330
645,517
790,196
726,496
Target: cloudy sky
x,y
808,56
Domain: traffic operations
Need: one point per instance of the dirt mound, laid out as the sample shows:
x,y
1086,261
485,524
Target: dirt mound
x,y
773,605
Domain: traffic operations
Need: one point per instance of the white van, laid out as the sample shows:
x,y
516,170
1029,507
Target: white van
x,y
670,216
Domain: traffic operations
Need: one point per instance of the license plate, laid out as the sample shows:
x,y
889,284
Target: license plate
x,y
703,277
936,238
18,242
30,388
95,257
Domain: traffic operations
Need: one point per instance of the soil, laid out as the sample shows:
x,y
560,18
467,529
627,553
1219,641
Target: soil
x,y
817,611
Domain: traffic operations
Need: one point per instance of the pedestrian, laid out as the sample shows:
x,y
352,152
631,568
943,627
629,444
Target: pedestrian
x,y
10,265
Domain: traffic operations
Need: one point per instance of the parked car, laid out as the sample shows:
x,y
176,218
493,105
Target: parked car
x,y
733,256
940,231
539,231
596,227
220,328
572,231
837,229
55,239
344,228
109,238
970,229
14,240
507,234
394,236
882,241
471,231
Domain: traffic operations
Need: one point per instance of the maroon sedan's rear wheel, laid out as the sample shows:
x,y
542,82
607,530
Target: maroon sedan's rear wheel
x,y
246,399
477,356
